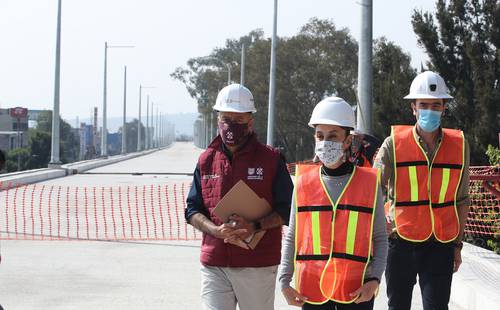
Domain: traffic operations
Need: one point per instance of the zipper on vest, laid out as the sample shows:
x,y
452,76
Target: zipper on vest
x,y
429,175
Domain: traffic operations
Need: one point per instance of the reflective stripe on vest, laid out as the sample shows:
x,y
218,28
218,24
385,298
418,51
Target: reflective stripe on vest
x,y
327,270
425,190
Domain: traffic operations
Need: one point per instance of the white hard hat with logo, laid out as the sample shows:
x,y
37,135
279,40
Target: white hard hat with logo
x,y
235,98
333,111
428,85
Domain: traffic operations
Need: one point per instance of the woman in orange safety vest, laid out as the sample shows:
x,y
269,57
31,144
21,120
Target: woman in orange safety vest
x,y
336,245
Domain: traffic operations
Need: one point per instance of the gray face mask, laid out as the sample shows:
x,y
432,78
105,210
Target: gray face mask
x,y
329,152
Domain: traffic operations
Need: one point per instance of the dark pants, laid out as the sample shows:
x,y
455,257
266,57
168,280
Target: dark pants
x,y
433,263
337,306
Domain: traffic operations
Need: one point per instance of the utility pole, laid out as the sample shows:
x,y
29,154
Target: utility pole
x,y
242,78
364,110
272,80
55,145
124,127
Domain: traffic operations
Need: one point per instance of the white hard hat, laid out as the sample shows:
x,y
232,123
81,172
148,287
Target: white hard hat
x,y
333,111
235,98
428,85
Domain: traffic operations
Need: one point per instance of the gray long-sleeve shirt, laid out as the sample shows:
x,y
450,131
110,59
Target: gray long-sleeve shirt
x,y
376,266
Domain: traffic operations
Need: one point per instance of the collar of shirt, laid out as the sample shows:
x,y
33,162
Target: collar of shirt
x,y
421,141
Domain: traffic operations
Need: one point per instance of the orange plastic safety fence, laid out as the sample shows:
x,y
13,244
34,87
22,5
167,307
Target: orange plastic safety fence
x,y
484,192
51,212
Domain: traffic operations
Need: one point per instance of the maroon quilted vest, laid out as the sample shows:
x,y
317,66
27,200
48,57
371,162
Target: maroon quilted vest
x,y
255,164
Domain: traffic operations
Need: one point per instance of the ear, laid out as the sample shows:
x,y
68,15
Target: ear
x,y
414,108
250,125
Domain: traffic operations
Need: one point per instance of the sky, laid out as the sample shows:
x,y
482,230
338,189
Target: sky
x,y
165,33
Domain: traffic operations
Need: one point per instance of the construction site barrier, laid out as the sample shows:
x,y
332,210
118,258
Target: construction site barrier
x,y
156,212
50,212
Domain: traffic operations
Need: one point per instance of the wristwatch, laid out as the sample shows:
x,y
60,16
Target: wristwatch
x,y
458,244
257,226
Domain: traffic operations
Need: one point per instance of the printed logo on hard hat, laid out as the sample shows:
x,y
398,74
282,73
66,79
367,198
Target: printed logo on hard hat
x,y
255,174
233,133
433,87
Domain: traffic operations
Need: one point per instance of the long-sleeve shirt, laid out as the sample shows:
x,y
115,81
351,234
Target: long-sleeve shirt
x,y
376,266
385,162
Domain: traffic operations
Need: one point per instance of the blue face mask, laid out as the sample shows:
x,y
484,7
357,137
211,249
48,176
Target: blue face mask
x,y
429,120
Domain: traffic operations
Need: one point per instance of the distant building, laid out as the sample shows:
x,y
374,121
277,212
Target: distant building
x,y
87,145
33,117
12,130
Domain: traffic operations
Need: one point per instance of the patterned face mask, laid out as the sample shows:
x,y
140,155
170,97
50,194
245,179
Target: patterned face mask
x,y
329,152
233,133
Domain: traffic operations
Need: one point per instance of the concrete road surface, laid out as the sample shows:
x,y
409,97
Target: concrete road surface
x,y
108,275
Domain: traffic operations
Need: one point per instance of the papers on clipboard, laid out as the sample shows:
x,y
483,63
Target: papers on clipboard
x,y
243,201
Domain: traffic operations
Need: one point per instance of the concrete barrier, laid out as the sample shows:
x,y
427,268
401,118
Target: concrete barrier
x,y
30,176
14,179
82,166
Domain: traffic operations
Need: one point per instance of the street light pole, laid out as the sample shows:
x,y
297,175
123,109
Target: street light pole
x,y
54,152
272,81
228,74
242,78
151,128
104,138
146,133
104,134
157,131
139,122
139,130
364,110
124,127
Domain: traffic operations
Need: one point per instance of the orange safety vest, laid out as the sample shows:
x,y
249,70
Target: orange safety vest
x,y
330,265
425,193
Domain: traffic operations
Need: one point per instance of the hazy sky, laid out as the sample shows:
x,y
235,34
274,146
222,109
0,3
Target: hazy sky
x,y
166,34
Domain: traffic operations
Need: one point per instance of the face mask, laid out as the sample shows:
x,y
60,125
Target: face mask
x,y
233,134
329,152
429,120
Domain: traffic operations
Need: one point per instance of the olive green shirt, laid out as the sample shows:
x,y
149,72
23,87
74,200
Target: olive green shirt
x,y
385,161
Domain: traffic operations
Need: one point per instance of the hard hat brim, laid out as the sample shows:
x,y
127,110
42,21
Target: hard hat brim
x,y
425,96
325,121
227,109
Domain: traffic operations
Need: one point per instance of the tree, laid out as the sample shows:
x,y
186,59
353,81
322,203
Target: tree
x,y
39,150
131,128
463,48
320,60
392,76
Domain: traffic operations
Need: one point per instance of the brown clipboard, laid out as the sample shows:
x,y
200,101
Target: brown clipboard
x,y
243,201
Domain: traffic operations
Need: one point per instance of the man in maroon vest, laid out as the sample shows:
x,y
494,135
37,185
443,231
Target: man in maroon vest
x,y
231,274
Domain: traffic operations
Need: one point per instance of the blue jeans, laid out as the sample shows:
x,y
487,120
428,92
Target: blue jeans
x,y
432,261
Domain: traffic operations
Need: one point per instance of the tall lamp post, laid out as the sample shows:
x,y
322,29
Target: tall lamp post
x,y
124,127
104,138
139,136
365,72
54,150
272,81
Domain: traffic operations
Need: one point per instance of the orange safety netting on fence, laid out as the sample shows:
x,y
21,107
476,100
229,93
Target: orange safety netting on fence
x,y
47,212
484,212
156,212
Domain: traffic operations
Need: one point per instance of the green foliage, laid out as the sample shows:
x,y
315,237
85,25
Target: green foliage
x,y
11,162
493,154
392,75
131,128
463,48
320,60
